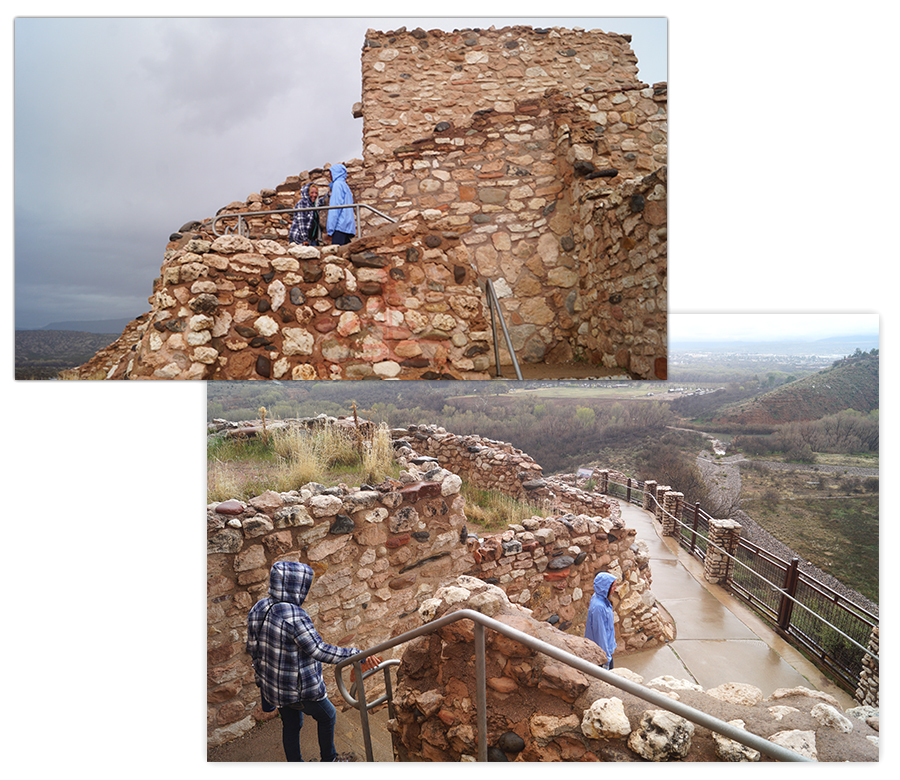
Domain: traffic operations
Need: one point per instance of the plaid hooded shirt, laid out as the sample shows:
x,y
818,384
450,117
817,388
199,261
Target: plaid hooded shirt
x,y
286,649
305,226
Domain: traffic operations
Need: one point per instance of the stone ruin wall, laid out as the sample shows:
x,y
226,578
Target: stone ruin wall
x,y
539,709
398,303
496,465
514,133
379,553
557,196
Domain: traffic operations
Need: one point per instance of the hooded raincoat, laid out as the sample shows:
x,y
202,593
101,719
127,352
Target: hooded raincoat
x,y
305,227
286,649
600,626
340,219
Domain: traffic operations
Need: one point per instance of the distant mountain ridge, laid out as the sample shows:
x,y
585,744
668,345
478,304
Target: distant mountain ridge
x,y
89,326
43,354
851,383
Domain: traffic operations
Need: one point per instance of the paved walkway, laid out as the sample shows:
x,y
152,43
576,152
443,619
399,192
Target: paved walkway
x,y
718,640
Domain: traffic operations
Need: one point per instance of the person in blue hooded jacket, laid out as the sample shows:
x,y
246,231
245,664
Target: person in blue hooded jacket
x,y
341,225
600,626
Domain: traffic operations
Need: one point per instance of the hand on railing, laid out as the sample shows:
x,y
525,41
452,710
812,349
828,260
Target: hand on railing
x,y
370,663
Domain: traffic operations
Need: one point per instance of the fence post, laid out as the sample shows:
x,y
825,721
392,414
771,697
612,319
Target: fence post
x,y
786,607
603,487
724,536
694,529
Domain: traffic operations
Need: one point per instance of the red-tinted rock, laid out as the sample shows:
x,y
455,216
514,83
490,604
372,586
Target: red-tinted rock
x,y
421,490
230,507
397,541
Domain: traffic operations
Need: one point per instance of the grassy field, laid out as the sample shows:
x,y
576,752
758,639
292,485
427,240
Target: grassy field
x,y
623,392
290,458
829,519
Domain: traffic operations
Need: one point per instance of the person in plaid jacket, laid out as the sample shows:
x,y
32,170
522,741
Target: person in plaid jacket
x,y
305,227
288,653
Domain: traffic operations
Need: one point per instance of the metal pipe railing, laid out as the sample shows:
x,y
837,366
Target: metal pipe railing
x,y
239,228
481,622
494,303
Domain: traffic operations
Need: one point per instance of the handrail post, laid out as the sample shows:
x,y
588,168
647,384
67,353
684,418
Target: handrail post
x,y
494,301
363,711
481,691
490,296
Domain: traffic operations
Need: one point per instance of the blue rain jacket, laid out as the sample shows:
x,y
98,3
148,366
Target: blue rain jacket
x,y
600,626
340,219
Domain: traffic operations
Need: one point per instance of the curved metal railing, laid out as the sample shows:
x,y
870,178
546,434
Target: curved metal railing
x,y
241,226
482,622
494,305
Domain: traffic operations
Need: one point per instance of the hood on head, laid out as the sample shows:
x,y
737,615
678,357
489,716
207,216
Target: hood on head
x,y
304,191
338,171
603,582
290,581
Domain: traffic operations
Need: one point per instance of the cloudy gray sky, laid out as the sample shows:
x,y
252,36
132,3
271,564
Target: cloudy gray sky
x,y
127,128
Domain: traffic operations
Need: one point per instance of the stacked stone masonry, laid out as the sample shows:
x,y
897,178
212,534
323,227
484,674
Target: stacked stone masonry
x,y
394,305
867,690
534,158
380,551
539,709
527,126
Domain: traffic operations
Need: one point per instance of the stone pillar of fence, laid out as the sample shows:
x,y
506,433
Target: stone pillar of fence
x,y
649,495
657,508
602,481
867,689
724,536
671,512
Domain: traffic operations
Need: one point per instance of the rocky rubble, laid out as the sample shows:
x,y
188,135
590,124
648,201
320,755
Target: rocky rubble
x,y
542,710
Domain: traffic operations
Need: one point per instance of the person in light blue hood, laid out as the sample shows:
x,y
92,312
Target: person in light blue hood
x,y
341,225
600,626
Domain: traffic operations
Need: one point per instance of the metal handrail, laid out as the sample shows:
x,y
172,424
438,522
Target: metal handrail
x,y
494,303
239,228
481,622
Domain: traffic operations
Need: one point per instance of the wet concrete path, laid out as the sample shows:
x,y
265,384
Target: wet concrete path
x,y
718,639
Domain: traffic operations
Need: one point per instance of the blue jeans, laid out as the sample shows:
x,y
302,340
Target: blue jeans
x,y
339,238
323,713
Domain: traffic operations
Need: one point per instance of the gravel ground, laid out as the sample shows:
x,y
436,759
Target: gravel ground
x,y
723,477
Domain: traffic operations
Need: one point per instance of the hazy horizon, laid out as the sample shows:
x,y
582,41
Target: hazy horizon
x,y
723,327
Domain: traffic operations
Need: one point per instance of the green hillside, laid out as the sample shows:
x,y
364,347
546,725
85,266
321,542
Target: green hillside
x,y
851,383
